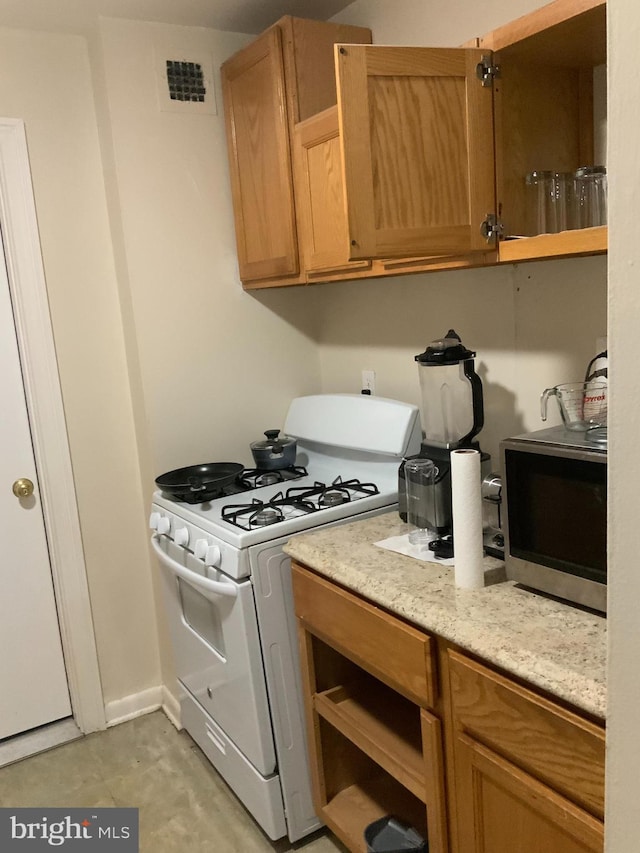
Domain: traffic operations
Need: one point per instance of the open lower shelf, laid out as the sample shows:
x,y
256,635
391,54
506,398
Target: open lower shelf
x,y
585,241
354,808
383,725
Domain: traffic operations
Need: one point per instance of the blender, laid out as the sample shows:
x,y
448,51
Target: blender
x,y
452,414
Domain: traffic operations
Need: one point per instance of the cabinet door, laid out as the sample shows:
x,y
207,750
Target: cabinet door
x,y
259,157
416,128
501,808
323,220
550,742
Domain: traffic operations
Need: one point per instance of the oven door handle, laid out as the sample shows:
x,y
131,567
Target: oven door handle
x,y
219,587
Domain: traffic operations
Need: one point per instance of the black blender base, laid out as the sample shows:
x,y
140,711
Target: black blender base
x,y
442,547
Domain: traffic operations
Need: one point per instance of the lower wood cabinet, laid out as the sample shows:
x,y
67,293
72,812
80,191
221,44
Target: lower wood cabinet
x,y
374,740
474,760
502,808
528,774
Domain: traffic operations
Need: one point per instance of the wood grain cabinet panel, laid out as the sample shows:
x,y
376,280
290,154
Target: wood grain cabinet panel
x,y
416,129
285,75
544,116
492,767
374,750
320,186
526,773
260,161
555,745
398,654
502,809
425,155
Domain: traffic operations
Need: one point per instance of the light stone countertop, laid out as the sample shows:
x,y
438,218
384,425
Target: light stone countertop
x,y
559,648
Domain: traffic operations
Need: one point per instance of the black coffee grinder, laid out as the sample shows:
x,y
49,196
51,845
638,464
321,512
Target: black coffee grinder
x,y
452,415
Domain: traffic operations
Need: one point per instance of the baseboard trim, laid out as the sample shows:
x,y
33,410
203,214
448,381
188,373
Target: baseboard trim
x,y
171,707
145,702
135,705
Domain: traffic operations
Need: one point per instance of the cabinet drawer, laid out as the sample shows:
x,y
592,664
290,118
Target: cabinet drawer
x,y
397,654
556,746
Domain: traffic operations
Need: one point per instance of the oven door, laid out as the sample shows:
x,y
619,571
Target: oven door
x,y
217,649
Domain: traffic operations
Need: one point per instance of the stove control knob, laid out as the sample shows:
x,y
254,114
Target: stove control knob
x,y
164,525
200,548
181,536
154,518
213,557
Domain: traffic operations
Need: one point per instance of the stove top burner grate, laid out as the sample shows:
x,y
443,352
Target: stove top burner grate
x,y
259,513
253,478
338,492
296,501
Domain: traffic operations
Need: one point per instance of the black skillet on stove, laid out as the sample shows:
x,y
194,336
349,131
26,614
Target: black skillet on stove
x,y
198,483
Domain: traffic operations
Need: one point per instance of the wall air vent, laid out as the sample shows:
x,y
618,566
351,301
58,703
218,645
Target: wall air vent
x,y
185,82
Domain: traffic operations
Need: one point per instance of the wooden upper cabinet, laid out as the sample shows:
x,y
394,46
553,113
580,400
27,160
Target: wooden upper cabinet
x,y
258,143
284,76
550,113
416,128
350,160
320,193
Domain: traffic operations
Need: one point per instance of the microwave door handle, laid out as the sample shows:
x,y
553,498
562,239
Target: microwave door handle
x,y
218,587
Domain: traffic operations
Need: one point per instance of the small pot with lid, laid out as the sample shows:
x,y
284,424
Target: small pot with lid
x,y
275,451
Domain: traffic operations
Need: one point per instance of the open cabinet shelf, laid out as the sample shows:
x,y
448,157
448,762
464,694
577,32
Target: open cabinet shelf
x,y
376,745
550,114
358,805
383,725
584,241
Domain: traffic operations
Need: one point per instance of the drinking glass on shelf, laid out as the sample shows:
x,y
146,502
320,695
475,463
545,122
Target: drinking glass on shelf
x,y
590,204
547,193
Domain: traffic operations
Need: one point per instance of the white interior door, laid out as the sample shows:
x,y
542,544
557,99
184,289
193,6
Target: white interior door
x,y
33,681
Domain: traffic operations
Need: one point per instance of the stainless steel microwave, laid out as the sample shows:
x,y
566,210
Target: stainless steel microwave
x,y
555,501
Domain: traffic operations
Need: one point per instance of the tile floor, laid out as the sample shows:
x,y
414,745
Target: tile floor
x,y
184,805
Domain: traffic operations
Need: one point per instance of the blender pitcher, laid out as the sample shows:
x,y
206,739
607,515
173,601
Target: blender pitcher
x,y
451,392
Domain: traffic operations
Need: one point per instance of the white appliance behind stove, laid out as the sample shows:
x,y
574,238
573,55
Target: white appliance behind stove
x,y
229,600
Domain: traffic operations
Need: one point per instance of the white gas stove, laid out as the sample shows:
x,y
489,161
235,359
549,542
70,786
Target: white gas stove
x,y
228,592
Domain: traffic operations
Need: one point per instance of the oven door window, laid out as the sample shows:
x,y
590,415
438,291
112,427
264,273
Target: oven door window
x,y
557,510
202,616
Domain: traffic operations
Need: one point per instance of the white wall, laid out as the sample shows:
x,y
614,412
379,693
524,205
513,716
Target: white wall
x,y
521,321
45,80
218,365
623,746
532,325
213,366
164,360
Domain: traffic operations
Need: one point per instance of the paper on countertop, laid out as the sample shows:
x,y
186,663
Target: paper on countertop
x,y
401,545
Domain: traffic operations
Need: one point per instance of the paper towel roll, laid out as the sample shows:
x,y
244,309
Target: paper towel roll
x,y
467,518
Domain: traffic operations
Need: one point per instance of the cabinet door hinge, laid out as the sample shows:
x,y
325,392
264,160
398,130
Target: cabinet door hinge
x,y
491,228
486,71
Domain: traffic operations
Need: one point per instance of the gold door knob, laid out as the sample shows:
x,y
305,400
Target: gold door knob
x,y
23,488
